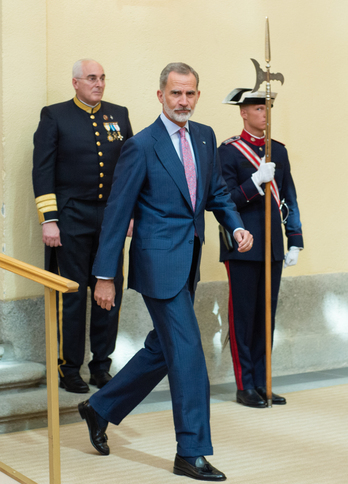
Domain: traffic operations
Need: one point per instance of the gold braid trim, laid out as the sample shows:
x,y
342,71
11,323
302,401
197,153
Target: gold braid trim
x,y
86,108
44,204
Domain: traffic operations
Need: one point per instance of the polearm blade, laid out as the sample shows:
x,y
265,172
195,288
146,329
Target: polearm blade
x,y
267,76
268,201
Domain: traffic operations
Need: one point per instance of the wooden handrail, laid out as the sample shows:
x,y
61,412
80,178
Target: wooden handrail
x,y
17,476
46,278
52,283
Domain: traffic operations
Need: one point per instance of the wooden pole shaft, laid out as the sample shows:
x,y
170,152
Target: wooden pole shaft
x,y
268,253
268,300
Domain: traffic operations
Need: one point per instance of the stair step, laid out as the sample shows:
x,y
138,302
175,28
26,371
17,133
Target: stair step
x,y
23,409
20,374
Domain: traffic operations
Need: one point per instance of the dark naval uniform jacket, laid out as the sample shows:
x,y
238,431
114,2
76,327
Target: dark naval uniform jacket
x,y
237,171
73,157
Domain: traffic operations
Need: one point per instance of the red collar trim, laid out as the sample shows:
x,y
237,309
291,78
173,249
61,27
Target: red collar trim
x,y
251,139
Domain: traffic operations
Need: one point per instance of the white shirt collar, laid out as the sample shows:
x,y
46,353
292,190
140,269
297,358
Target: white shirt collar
x,y
171,127
253,136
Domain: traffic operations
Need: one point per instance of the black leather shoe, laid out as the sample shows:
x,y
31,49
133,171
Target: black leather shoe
x,y
100,378
202,470
97,434
276,399
250,398
73,383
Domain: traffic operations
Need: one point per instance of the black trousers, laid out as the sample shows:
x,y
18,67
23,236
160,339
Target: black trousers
x,y
246,314
80,225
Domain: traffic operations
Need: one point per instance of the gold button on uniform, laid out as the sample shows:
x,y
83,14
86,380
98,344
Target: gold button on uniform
x,y
92,116
100,153
100,196
97,133
101,185
101,164
101,175
95,124
98,143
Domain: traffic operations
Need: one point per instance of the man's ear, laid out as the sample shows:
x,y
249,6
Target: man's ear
x,y
243,113
160,96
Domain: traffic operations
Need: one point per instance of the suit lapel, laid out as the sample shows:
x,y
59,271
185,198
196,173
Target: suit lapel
x,y
167,155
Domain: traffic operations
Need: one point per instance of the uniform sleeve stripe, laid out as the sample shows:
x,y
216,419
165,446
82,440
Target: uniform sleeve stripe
x,y
46,203
48,208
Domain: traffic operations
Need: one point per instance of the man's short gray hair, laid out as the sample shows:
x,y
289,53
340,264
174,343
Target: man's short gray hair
x,y
179,68
77,70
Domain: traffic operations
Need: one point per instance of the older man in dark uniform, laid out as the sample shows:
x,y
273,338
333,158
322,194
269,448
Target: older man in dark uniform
x,y
245,172
76,148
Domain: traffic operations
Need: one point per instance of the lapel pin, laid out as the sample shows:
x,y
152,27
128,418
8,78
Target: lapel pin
x,y
204,142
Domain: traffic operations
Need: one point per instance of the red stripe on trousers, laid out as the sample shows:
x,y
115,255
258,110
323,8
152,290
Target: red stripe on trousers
x,y
234,349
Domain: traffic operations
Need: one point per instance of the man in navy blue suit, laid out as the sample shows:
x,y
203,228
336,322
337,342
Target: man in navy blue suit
x,y
152,182
244,170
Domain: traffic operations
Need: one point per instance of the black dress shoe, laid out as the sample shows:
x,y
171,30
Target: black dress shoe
x,y
97,434
73,383
100,378
276,399
250,398
202,470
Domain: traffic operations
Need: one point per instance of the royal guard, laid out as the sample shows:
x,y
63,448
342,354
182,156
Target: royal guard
x,y
246,173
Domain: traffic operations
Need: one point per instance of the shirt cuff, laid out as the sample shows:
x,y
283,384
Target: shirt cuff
x,y
239,228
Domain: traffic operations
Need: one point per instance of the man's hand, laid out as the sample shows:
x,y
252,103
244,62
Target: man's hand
x,y
104,293
291,256
244,239
264,174
130,228
51,234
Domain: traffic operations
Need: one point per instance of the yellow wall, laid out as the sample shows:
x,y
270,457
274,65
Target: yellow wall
x,y
134,40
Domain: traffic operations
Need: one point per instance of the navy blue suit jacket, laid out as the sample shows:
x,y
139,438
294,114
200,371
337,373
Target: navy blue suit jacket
x,y
237,171
150,184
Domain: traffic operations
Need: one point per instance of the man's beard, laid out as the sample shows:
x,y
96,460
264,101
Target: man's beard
x,y
179,117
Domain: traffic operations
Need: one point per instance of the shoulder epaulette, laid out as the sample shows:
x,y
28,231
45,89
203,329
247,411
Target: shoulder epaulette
x,y
278,142
231,140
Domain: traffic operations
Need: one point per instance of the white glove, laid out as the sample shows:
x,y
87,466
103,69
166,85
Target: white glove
x,y
291,256
264,174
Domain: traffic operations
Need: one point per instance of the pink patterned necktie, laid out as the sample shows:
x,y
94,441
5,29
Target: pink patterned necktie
x,y
189,166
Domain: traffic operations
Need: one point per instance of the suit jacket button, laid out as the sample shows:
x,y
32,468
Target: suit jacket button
x,y
190,241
